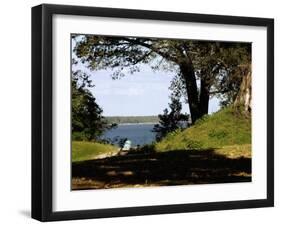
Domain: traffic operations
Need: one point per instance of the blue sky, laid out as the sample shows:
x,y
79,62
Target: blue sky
x,y
142,93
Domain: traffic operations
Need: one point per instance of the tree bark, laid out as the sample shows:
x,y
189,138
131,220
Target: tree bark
x,y
204,97
244,96
188,74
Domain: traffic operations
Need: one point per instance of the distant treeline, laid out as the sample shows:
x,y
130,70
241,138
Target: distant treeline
x,y
132,119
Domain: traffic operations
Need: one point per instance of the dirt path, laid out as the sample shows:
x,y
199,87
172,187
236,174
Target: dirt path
x,y
160,169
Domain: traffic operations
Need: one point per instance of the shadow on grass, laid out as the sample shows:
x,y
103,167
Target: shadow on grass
x,y
160,169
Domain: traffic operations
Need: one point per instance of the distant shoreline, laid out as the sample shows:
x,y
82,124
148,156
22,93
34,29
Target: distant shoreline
x,y
137,123
153,119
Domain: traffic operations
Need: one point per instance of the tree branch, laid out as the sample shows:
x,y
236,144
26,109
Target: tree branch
x,y
151,47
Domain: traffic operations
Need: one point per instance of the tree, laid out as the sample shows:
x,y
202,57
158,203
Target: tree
x,y
86,114
243,100
235,64
170,121
87,120
220,67
191,60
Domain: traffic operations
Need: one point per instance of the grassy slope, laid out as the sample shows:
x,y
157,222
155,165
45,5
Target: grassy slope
x,y
82,150
224,131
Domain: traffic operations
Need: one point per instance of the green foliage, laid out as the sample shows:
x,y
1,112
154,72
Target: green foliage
x,y
170,121
218,65
82,150
87,120
226,127
79,136
236,62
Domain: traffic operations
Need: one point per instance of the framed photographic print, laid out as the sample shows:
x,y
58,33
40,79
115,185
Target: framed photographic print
x,y
145,112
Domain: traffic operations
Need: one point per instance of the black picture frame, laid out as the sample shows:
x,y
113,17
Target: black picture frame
x,y
42,111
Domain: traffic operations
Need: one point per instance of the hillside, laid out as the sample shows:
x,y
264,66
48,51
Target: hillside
x,y
226,129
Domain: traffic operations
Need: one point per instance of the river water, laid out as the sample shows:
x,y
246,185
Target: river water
x,y
138,134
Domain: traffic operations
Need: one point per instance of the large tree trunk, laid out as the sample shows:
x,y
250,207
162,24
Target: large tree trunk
x,y
204,97
188,74
243,100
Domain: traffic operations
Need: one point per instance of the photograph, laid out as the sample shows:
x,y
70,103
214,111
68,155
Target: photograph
x,y
153,111
142,112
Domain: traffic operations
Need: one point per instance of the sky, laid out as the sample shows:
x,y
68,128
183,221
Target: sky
x,y
140,94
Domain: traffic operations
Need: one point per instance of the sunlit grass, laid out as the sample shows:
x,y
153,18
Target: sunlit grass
x,y
235,151
83,150
224,128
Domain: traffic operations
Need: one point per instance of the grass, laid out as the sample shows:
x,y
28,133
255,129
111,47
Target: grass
x,y
235,151
227,131
82,150
217,149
